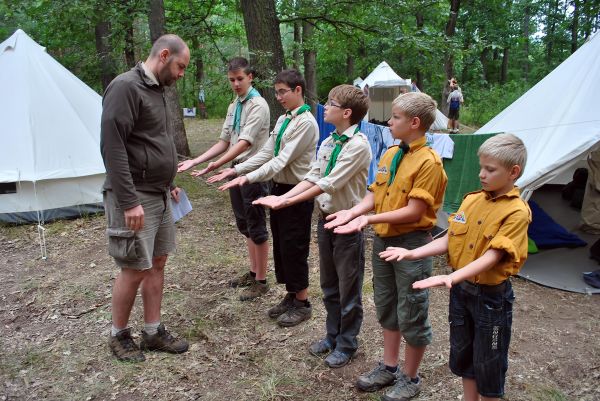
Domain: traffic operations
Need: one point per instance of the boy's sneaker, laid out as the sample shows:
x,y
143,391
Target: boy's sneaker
x,y
124,348
376,379
245,280
321,347
282,306
337,359
163,341
403,390
296,314
256,289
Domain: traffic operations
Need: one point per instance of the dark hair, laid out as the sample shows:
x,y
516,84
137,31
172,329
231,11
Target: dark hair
x,y
240,63
351,97
291,78
173,43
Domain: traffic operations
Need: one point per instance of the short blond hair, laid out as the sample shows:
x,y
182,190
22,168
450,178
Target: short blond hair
x,y
508,149
350,97
417,104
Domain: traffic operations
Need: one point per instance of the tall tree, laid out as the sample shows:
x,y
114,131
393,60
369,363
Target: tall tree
x,y
310,65
266,50
102,32
156,22
448,56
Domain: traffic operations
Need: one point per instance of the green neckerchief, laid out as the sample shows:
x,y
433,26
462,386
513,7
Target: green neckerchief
x,y
403,149
339,142
238,109
284,126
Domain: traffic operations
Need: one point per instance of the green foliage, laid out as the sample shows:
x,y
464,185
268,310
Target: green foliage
x,y
483,103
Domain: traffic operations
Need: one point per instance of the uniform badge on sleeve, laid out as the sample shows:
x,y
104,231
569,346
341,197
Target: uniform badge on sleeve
x,y
382,170
460,217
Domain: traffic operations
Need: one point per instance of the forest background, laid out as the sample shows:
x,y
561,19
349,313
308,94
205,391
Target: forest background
x,y
497,49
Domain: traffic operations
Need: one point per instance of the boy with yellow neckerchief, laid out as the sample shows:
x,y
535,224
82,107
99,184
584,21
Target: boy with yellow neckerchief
x,y
285,158
338,180
407,192
486,244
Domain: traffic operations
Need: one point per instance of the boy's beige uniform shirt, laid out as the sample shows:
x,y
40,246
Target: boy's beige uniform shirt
x,y
483,223
419,176
297,150
346,184
254,125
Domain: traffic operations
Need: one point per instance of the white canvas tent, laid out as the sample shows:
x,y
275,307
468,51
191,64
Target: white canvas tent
x,y
50,163
559,122
384,86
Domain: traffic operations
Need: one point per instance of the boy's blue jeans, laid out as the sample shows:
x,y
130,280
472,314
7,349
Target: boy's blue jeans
x,y
480,320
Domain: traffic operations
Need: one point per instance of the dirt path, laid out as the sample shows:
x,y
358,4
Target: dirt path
x,y
55,320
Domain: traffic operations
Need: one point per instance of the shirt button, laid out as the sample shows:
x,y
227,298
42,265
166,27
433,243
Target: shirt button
x,y
470,246
387,193
451,232
479,222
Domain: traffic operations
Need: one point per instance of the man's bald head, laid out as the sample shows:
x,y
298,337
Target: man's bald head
x,y
172,42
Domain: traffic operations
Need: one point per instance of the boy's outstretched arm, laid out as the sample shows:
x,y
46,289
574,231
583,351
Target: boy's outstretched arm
x,y
215,150
304,190
231,154
485,262
436,247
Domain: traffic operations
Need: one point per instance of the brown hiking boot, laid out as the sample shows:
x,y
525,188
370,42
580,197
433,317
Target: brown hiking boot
x,y
254,291
296,314
163,341
245,280
124,348
282,306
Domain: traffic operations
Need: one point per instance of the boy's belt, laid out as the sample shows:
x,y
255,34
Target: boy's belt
x,y
476,289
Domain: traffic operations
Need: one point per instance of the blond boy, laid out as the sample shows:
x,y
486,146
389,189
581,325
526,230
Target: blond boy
x,y
486,244
407,192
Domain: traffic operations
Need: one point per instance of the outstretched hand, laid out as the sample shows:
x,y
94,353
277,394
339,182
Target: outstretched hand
x,y
271,201
239,181
223,174
353,226
338,219
435,281
185,165
393,253
211,166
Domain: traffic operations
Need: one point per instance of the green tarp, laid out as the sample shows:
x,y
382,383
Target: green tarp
x,y
462,169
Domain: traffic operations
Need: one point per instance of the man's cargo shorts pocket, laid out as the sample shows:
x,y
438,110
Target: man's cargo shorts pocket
x,y
121,243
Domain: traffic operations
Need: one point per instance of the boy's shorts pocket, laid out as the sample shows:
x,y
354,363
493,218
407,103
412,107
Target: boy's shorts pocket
x,y
121,244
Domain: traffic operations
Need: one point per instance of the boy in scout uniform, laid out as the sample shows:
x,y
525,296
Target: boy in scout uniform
x,y
487,244
338,180
245,130
407,192
285,158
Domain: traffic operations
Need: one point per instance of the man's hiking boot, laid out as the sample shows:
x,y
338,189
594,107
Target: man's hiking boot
x,y
296,314
245,280
257,289
163,341
282,306
403,390
124,348
376,379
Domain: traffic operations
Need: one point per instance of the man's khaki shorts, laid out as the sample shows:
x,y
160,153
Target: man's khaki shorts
x,y
135,250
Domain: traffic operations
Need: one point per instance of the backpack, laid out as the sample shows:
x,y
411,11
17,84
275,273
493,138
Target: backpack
x,y
454,103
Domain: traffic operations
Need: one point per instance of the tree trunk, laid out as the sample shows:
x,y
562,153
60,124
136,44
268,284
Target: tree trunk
x,y
297,44
551,18
266,51
574,26
526,23
350,68
156,22
504,68
199,63
310,66
107,71
418,74
483,59
448,56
